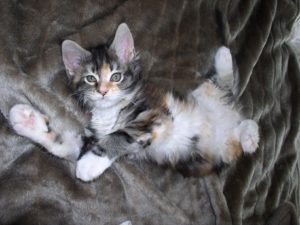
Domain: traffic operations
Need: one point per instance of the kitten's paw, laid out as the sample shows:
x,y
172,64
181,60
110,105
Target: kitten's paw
x,y
69,147
144,140
249,135
28,122
223,62
91,166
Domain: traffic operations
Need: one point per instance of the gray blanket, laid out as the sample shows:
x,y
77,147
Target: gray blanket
x,y
178,40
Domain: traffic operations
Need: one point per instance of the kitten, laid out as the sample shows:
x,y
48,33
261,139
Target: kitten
x,y
132,116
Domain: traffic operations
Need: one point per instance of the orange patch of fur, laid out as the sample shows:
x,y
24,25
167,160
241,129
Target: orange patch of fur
x,y
208,155
163,103
163,130
154,136
105,74
209,89
105,71
112,86
233,151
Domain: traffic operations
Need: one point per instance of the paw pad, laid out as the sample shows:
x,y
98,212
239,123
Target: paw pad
x,y
27,121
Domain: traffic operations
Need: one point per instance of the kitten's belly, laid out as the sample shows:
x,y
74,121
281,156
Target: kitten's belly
x,y
176,135
174,141
192,127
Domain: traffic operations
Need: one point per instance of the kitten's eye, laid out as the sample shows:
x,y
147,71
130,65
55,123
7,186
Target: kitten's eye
x,y
116,77
90,79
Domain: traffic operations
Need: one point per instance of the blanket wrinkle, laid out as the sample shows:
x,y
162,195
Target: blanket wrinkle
x,y
256,35
217,200
147,189
275,129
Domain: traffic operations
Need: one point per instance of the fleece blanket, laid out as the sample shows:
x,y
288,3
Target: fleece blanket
x,y
178,39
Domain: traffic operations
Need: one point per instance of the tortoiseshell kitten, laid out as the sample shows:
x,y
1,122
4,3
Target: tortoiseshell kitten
x,y
132,116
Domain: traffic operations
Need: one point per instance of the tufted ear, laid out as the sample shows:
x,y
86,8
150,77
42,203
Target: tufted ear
x,y
73,54
123,44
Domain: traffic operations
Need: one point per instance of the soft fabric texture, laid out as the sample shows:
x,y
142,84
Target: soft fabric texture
x,y
177,40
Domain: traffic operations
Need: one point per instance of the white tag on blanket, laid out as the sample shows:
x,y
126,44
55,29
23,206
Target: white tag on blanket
x,y
126,223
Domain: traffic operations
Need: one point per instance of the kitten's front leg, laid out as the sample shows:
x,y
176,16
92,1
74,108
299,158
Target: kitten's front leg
x,y
30,123
100,156
91,165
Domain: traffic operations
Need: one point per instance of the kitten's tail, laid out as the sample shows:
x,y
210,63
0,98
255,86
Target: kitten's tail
x,y
197,167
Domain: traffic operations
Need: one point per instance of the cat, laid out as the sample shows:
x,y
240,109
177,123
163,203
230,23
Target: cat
x,y
131,116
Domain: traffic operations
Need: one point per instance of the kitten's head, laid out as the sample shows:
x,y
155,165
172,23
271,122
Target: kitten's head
x,y
106,75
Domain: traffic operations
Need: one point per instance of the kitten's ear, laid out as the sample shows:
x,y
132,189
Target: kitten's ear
x,y
72,54
123,44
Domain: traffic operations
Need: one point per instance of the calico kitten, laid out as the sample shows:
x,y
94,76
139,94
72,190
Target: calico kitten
x,y
132,116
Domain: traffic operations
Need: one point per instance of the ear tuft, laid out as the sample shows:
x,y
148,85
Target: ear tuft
x,y
123,44
72,54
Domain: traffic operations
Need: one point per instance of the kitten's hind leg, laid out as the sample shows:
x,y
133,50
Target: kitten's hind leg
x,y
101,155
244,139
196,167
30,123
249,135
224,68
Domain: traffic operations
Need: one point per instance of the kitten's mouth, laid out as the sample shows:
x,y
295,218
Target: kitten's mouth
x,y
104,100
101,98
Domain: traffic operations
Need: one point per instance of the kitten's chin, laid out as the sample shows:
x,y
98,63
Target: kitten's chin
x,y
106,102
110,101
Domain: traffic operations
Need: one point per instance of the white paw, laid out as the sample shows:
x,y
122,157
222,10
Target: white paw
x,y
249,135
68,148
73,141
91,166
28,122
223,62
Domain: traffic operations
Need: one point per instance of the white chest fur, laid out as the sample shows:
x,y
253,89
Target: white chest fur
x,y
105,120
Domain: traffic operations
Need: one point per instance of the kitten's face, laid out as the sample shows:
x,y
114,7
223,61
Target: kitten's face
x,y
103,76
104,82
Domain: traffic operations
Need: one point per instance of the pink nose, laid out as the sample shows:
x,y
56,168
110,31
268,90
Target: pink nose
x,y
103,91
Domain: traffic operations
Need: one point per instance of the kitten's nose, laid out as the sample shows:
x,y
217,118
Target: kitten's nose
x,y
103,91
